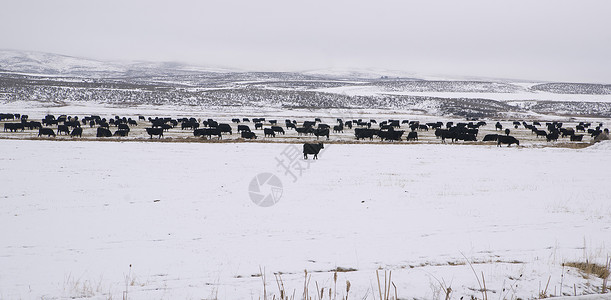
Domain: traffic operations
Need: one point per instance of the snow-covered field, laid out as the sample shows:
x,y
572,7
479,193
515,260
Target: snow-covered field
x,y
521,95
75,216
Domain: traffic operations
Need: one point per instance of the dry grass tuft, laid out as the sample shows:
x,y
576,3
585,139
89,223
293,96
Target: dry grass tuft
x,y
342,270
589,268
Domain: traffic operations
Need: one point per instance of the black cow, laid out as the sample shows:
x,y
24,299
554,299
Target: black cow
x,y
552,137
245,120
541,133
7,117
594,132
338,128
259,125
248,135
391,135
209,132
304,130
412,136
507,131
32,125
224,128
243,128
103,132
49,122
46,131
121,133
124,127
13,127
189,125
235,120
567,132
64,129
308,124
451,133
507,139
269,131
278,129
322,132
312,148
467,137
77,132
491,137
576,137
498,126
363,133
154,131
273,122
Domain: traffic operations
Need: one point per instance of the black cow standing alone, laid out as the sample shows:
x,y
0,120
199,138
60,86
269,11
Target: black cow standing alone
x,y
312,148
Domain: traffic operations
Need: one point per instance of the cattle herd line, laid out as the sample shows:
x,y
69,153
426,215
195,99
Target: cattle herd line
x,y
387,130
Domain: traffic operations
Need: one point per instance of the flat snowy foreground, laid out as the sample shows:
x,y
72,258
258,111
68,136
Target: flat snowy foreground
x,y
75,215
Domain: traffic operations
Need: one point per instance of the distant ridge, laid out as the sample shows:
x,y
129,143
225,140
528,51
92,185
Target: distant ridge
x,y
42,63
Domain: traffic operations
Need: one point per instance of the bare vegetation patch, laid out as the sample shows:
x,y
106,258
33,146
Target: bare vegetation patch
x,y
589,268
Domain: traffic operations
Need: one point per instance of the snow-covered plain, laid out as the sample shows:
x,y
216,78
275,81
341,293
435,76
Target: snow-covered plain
x,y
75,216
519,95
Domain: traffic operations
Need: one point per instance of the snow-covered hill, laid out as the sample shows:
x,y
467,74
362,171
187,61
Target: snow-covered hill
x,y
54,64
42,63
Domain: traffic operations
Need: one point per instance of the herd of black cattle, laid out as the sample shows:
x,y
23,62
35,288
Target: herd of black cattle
x,y
387,130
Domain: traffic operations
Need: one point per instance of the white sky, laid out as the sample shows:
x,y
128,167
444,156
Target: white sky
x,y
535,39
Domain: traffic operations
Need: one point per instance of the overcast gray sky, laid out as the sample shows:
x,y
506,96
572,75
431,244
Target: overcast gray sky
x,y
535,39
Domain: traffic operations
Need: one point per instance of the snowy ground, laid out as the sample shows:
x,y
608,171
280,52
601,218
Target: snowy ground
x,y
76,214
521,95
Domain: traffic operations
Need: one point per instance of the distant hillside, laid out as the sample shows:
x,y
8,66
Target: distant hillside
x,y
55,64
